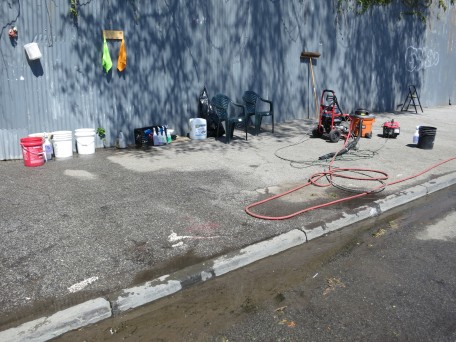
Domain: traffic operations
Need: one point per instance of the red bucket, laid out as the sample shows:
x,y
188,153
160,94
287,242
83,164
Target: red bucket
x,y
32,151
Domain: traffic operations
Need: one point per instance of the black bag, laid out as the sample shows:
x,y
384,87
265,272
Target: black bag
x,y
206,111
212,120
203,104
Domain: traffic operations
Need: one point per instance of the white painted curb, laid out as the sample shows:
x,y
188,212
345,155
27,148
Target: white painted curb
x,y
264,249
46,328
150,291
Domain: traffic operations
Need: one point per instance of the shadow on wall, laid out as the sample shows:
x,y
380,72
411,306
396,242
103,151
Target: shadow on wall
x,y
36,67
372,67
176,47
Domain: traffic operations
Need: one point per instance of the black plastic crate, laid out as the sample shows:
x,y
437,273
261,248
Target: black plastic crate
x,y
142,138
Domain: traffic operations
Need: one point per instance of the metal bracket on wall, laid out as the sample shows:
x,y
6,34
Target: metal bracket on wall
x,y
111,34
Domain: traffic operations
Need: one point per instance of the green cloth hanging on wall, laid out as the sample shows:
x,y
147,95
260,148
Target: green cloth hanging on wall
x,y
107,63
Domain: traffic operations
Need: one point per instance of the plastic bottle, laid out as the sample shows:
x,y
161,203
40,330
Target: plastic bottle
x,y
156,138
47,147
416,136
167,135
198,128
162,136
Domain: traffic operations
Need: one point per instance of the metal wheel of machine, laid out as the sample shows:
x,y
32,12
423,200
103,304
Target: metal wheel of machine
x,y
334,135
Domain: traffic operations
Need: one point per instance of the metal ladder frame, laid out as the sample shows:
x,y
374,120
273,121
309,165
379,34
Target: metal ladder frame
x,y
412,94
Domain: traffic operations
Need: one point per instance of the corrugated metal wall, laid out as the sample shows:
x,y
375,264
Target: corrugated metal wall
x,y
175,47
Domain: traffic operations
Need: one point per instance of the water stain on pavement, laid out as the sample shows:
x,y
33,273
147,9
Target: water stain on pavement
x,y
436,232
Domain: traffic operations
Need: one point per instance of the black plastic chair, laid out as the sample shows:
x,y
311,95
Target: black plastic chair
x,y
253,108
222,106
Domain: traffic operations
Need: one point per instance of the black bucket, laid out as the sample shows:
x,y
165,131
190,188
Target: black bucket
x,y
427,136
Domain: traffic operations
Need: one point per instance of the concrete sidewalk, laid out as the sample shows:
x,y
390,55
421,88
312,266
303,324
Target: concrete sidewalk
x,y
120,228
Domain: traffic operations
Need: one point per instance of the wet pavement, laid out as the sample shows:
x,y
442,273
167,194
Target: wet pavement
x,y
90,226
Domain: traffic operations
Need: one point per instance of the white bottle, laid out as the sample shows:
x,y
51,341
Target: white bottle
x,y
416,136
47,147
157,141
162,136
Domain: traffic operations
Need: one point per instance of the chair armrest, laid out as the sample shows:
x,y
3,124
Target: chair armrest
x,y
271,109
239,106
265,100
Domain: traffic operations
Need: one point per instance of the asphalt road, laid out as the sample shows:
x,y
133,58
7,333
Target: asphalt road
x,y
390,279
92,229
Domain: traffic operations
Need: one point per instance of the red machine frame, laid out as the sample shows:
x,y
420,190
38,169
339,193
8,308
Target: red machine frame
x,y
332,120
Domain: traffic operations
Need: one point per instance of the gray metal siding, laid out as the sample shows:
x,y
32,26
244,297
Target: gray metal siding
x,y
175,47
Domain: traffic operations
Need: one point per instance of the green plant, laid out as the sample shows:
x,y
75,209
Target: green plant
x,y
418,8
101,132
74,8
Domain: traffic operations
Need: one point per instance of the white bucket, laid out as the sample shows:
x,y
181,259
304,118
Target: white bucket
x,y
198,129
37,135
84,130
85,140
63,144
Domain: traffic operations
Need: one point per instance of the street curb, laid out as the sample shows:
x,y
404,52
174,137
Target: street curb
x,y
169,284
93,311
46,328
378,207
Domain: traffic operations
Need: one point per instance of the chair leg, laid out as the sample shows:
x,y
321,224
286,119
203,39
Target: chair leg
x,y
233,125
257,124
228,133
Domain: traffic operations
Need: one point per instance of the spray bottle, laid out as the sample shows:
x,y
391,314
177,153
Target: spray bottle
x,y
156,138
162,136
47,147
167,135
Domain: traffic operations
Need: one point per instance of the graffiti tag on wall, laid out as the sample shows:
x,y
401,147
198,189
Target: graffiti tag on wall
x,y
420,58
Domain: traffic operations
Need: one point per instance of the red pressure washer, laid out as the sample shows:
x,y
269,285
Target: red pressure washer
x,y
391,129
332,121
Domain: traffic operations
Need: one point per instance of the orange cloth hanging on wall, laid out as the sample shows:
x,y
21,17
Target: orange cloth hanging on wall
x,y
122,60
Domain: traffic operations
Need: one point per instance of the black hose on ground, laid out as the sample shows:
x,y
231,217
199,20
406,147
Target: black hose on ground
x,y
348,147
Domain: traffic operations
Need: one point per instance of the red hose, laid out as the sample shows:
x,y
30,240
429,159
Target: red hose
x,y
337,173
